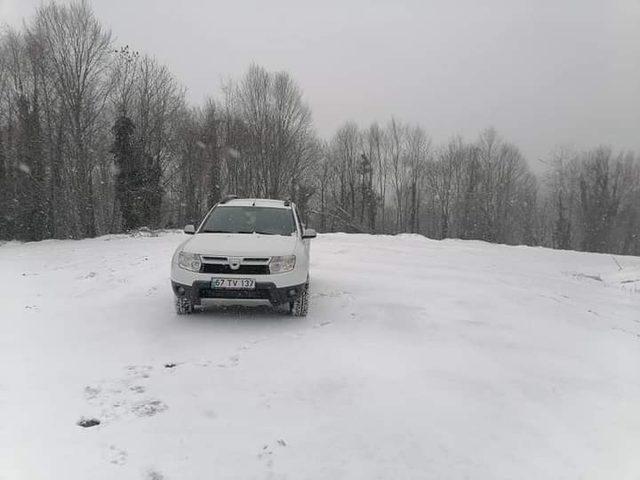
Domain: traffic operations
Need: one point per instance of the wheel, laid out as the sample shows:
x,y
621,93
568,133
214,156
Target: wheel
x,y
184,306
300,306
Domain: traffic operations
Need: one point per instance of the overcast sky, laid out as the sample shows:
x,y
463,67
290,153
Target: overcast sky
x,y
543,72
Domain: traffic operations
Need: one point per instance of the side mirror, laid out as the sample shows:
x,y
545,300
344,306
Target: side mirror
x,y
189,229
309,233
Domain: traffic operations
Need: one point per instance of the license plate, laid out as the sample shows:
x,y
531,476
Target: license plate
x,y
233,283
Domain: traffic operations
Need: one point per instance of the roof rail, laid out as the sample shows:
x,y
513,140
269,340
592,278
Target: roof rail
x,y
226,198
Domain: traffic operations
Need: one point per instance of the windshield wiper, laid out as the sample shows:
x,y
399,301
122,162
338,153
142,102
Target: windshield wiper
x,y
243,232
225,231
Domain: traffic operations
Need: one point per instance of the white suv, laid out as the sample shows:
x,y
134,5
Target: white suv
x,y
245,249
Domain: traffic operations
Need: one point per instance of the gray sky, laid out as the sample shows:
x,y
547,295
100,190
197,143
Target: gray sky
x,y
543,72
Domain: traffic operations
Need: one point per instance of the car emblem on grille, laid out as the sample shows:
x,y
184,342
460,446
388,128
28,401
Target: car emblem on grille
x,y
234,263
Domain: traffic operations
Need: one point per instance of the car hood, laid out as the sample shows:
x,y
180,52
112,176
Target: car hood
x,y
240,245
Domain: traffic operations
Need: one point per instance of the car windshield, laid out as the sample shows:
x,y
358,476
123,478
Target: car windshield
x,y
249,219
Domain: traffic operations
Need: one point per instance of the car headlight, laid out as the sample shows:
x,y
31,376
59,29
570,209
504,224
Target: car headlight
x,y
282,264
189,261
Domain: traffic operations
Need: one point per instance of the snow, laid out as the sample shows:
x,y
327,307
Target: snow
x,y
419,359
627,278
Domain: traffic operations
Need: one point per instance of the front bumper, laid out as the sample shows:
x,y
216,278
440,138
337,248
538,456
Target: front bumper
x,y
295,277
200,289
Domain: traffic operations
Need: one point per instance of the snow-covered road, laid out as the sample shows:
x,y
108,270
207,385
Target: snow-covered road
x,y
419,359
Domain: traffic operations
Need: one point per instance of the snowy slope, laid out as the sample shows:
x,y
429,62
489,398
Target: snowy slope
x,y
419,359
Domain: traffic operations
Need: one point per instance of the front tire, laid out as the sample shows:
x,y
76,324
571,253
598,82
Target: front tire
x,y
184,306
300,306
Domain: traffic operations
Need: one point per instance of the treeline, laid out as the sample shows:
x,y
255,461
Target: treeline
x,y
99,139
393,179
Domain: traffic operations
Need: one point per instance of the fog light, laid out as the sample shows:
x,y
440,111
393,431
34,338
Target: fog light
x,y
292,293
181,290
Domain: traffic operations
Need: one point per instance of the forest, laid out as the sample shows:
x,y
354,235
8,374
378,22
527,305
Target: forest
x,y
98,138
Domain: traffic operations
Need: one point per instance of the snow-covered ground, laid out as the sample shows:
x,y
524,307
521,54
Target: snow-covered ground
x,y
419,359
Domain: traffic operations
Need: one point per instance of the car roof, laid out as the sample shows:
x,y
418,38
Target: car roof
x,y
255,202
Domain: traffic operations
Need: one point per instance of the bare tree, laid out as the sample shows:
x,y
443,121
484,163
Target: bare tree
x,y
375,148
279,143
395,146
418,151
444,179
77,49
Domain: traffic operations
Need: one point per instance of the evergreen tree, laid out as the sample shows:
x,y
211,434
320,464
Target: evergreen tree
x,y
599,200
562,227
129,179
6,230
31,215
150,193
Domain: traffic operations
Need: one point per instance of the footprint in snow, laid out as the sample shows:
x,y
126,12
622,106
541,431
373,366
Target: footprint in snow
x,y
137,389
117,456
330,294
154,475
322,324
266,453
210,414
91,392
149,408
117,398
140,371
232,361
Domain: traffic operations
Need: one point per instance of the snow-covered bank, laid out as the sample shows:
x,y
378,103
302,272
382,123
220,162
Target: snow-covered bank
x,y
419,359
